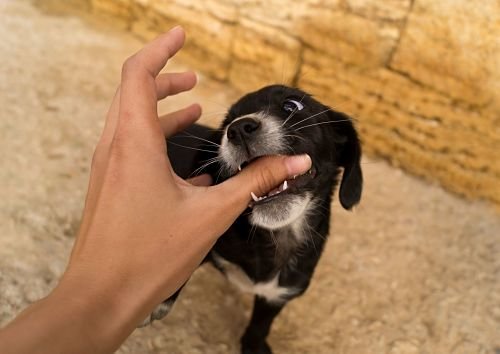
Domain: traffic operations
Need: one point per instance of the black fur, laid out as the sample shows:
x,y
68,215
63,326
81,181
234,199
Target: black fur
x,y
333,145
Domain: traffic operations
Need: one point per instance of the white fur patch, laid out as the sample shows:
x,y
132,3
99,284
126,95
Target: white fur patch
x,y
269,290
159,312
291,213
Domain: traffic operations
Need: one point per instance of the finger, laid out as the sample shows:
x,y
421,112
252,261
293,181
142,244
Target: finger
x,y
201,180
174,83
138,98
179,120
259,178
154,55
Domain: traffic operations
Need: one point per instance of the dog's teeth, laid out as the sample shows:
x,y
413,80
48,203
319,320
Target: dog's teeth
x,y
285,186
254,197
239,168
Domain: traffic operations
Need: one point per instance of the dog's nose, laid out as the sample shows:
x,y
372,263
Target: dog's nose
x,y
242,130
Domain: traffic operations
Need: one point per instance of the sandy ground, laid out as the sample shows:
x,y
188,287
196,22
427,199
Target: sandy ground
x,y
413,270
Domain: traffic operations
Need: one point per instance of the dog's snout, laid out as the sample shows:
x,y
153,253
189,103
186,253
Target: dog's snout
x,y
242,129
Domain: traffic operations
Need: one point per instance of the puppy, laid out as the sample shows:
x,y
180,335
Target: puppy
x,y
273,248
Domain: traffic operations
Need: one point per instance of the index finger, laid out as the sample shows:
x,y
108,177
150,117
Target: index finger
x,y
138,98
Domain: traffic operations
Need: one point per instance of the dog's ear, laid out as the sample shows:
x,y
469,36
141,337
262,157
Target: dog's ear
x,y
348,156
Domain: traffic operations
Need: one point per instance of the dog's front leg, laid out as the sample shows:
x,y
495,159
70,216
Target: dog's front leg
x,y
254,339
161,310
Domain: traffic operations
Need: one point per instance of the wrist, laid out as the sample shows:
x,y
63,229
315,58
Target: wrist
x,y
63,322
106,314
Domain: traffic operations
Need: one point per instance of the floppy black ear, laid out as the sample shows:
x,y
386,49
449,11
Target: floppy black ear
x,y
348,153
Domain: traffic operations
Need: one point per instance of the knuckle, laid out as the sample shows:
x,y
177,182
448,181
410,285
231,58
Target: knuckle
x,y
130,64
265,178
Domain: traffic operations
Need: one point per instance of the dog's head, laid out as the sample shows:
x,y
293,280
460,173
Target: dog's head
x,y
282,120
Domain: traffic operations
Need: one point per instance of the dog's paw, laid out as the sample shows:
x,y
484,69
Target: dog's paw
x,y
158,313
255,348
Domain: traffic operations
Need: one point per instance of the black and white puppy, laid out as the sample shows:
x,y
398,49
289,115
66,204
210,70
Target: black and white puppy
x,y
272,249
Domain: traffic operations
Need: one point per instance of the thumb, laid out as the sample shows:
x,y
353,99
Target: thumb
x,y
259,178
201,180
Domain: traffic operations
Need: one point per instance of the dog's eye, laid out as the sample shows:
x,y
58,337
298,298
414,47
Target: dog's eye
x,y
292,105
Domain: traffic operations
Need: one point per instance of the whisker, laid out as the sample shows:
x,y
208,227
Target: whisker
x,y
199,138
212,101
291,149
314,115
210,159
294,136
274,240
293,112
208,114
252,232
290,116
218,175
325,209
310,236
329,122
205,145
217,130
199,169
317,233
192,148
312,241
268,105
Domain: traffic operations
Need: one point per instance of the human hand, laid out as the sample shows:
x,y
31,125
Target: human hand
x,y
144,229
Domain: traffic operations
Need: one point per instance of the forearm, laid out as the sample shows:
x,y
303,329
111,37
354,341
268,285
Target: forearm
x,y
69,321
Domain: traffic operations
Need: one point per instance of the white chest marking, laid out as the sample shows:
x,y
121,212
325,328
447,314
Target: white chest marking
x,y
270,290
158,313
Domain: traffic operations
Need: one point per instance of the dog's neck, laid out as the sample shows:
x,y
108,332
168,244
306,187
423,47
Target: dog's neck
x,y
288,240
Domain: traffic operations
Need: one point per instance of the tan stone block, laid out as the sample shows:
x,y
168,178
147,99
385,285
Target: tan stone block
x,y
283,13
224,10
148,22
119,9
454,46
209,32
208,41
421,130
382,10
348,37
262,55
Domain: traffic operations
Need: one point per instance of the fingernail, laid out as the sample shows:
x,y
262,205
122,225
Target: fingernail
x,y
298,164
176,28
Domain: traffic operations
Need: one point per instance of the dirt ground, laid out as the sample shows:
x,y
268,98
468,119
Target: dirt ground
x,y
413,270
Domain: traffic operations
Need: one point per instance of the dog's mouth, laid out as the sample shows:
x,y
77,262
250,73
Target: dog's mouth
x,y
293,185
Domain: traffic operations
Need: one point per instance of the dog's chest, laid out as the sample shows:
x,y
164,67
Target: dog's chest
x,y
270,289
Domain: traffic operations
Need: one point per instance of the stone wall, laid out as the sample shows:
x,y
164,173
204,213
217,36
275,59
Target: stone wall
x,y
422,77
